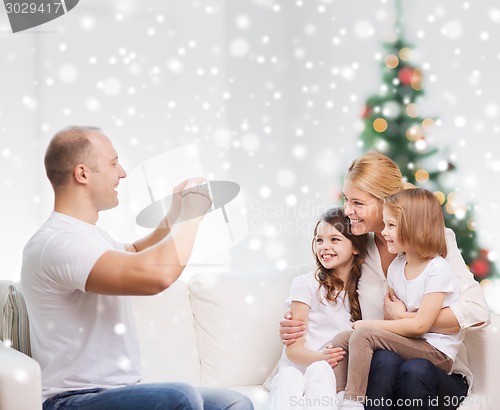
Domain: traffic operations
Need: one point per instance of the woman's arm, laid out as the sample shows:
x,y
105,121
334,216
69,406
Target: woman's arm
x,y
471,310
297,352
411,327
290,329
446,322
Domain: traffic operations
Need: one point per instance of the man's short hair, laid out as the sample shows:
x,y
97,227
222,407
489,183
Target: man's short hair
x,y
68,148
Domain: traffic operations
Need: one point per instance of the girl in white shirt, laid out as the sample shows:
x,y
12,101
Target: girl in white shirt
x,y
327,301
422,279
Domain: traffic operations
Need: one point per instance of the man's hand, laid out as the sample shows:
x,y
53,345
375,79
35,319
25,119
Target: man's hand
x,y
195,199
393,308
176,205
333,355
290,330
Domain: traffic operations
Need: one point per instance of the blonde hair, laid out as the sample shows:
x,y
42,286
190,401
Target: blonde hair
x,y
376,174
420,221
68,148
328,278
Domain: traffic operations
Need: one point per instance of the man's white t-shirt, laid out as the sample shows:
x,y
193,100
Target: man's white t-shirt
x,y
436,277
81,340
325,319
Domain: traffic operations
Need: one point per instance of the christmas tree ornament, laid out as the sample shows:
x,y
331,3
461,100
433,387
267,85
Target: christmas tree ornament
x,y
405,75
393,126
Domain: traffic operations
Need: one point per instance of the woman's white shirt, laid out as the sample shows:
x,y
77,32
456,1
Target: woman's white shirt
x,y
372,285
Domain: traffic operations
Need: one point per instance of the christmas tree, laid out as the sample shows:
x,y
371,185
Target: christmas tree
x,y
392,126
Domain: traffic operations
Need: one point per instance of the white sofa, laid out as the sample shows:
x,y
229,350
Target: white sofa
x,y
222,330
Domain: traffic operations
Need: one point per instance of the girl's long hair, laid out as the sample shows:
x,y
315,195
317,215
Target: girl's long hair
x,y
328,277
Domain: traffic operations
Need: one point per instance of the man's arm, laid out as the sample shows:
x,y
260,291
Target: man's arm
x,y
156,267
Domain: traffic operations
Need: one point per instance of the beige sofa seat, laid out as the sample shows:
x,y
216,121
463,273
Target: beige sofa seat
x,y
222,330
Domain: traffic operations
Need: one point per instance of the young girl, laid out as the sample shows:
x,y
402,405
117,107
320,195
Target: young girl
x,y
327,301
422,279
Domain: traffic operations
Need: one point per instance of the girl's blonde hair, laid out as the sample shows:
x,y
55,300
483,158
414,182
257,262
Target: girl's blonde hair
x,y
420,221
328,277
376,174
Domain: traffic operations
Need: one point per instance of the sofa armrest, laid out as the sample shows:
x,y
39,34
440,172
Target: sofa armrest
x,y
20,381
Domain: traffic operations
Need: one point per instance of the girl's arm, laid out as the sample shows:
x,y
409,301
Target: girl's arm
x,y
411,327
297,352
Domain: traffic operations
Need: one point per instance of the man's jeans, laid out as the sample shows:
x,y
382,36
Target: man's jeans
x,y
411,385
164,396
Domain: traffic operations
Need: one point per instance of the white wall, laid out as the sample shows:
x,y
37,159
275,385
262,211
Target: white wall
x,y
270,92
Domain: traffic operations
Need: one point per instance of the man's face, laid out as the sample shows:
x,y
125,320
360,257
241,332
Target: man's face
x,y
105,173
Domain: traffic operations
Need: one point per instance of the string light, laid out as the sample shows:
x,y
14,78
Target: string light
x,y
449,208
421,145
414,133
380,125
411,110
405,54
416,81
421,176
471,224
427,124
440,196
391,61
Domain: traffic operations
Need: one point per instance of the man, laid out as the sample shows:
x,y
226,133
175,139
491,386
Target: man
x,y
76,280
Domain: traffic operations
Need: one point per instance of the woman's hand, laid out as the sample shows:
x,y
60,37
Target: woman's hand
x,y
290,330
333,355
394,308
358,324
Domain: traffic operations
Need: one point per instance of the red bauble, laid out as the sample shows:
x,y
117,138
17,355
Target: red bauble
x,y
480,268
405,75
366,111
483,253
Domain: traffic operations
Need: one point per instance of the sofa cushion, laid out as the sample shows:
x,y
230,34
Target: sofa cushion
x,y
15,321
4,290
236,319
166,333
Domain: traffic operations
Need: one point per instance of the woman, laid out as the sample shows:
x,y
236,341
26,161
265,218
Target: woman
x,y
368,181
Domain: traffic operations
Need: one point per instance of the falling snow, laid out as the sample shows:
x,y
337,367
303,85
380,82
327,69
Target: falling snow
x,y
270,91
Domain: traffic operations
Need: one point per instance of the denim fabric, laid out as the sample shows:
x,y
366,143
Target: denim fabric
x,y
411,385
164,396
